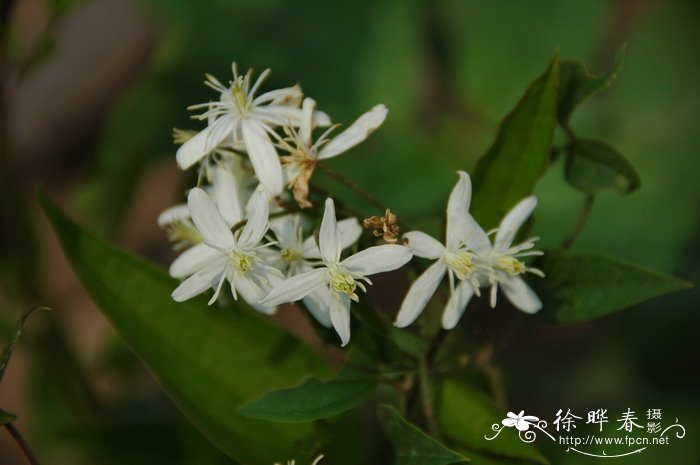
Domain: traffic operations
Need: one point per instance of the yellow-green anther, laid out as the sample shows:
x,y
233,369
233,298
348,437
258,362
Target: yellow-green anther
x,y
510,264
462,263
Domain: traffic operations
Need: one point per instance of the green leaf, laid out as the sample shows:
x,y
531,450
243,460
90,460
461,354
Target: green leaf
x,y
9,347
467,416
585,286
411,445
314,399
577,84
592,166
209,360
520,155
6,417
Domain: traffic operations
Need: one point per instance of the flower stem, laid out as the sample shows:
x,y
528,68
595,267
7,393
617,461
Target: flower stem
x,y
372,200
580,222
426,395
14,432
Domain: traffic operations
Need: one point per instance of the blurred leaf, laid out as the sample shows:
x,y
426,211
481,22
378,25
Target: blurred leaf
x,y
585,286
467,416
577,84
520,155
592,166
314,399
6,417
210,361
411,445
9,347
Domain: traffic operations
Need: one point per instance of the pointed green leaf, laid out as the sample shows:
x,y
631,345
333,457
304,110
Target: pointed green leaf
x,y
411,445
592,166
581,287
577,84
520,155
314,399
209,360
6,417
467,418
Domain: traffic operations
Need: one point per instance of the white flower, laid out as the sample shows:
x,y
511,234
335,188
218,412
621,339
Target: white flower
x,y
339,279
520,421
458,258
178,225
303,154
503,265
225,255
298,255
240,119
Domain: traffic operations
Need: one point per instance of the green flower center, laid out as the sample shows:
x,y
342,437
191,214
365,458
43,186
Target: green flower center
x,y
290,255
462,263
184,231
342,282
241,261
240,97
510,265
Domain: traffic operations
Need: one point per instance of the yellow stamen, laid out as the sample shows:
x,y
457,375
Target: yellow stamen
x,y
290,255
462,263
510,264
242,261
342,282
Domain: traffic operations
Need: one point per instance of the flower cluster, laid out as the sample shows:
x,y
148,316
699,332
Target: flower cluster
x,y
240,226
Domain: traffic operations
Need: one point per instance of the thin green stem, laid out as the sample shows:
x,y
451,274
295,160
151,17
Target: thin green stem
x,y
426,395
371,199
14,432
580,222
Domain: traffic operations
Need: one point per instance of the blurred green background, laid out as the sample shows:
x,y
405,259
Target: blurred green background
x,y
103,83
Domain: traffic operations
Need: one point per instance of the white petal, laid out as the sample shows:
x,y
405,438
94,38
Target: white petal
x,y
509,422
458,210
252,294
512,222
296,287
285,229
307,120
208,220
200,281
424,246
192,260
203,142
263,156
257,224
227,194
286,96
322,119
457,304
174,214
475,237
350,231
356,133
520,294
378,259
419,294
340,317
329,235
319,305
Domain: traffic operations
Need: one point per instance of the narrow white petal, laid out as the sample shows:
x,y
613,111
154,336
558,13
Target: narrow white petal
x,y
329,235
322,119
252,294
286,96
419,294
192,260
200,281
340,317
378,259
457,304
512,222
263,156
520,294
309,249
319,305
350,232
457,210
307,120
356,133
174,214
208,220
257,224
285,229
203,142
424,246
227,194
296,287
475,237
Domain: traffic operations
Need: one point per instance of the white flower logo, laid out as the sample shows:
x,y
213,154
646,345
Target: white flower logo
x,y
520,421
